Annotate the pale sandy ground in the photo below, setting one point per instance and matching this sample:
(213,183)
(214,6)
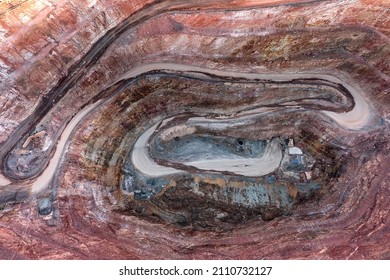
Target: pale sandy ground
(44,179)
(4,181)
(267,163)
(355,119)
(261,166)
(143,162)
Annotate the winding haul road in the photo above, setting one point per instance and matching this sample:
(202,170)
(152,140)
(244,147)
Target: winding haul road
(265,164)
(355,119)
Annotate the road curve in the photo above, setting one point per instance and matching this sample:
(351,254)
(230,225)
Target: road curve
(357,118)
(265,164)
(47,175)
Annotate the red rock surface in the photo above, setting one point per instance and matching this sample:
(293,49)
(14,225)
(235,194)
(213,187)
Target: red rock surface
(44,44)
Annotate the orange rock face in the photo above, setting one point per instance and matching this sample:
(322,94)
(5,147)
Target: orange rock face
(131,129)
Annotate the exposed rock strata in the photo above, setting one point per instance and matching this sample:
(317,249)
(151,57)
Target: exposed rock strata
(115,69)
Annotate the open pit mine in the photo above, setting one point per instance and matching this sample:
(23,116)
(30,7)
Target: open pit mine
(179,129)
